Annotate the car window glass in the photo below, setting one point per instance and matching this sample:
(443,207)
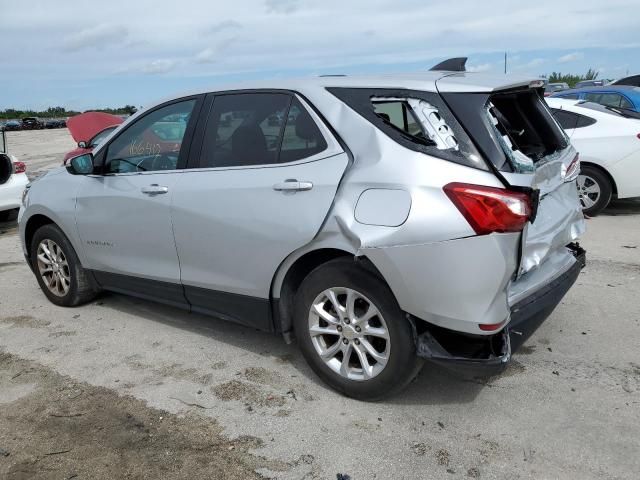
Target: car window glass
(572,96)
(624,103)
(400,115)
(584,121)
(151,143)
(302,137)
(567,120)
(244,129)
(101,136)
(610,99)
(593,97)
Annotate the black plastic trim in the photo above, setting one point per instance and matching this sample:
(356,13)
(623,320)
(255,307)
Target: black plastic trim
(526,316)
(247,310)
(157,291)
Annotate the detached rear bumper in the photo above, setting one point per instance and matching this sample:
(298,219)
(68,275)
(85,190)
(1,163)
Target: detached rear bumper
(486,356)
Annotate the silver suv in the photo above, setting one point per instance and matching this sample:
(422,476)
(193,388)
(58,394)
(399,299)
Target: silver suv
(380,221)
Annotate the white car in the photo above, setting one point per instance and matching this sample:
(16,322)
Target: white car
(13,181)
(609,147)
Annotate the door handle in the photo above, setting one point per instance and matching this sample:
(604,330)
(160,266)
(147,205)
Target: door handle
(292,185)
(154,189)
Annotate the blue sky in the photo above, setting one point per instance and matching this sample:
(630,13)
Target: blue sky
(89,54)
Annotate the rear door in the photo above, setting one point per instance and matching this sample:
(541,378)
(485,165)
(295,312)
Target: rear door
(261,187)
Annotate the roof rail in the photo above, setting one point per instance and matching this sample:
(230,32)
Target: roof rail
(457,64)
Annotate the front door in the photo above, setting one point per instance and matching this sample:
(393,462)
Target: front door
(124,215)
(268,173)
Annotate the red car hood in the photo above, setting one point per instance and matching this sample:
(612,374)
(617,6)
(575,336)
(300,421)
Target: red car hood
(84,126)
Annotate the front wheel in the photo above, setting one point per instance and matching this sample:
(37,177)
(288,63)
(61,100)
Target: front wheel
(58,269)
(352,332)
(594,189)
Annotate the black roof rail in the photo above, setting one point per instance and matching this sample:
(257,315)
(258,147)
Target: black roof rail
(457,64)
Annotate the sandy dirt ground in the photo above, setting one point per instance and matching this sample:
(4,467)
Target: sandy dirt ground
(82,390)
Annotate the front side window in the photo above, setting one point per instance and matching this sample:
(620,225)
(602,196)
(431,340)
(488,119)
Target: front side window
(152,143)
(248,129)
(101,136)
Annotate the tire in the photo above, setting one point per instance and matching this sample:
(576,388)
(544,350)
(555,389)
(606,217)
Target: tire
(594,189)
(399,363)
(79,290)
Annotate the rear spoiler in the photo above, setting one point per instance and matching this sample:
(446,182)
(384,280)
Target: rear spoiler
(457,64)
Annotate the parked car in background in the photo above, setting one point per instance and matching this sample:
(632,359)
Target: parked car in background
(13,180)
(12,125)
(618,96)
(551,88)
(55,123)
(589,83)
(609,146)
(391,220)
(633,80)
(89,129)
(32,123)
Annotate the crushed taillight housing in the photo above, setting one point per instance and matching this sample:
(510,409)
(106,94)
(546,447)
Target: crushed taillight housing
(490,209)
(19,167)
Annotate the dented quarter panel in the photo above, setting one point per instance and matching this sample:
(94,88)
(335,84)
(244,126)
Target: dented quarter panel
(454,284)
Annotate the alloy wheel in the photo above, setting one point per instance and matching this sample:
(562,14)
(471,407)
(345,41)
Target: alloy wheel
(588,191)
(53,267)
(349,333)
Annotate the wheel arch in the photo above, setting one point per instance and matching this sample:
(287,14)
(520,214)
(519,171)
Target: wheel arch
(33,224)
(293,271)
(614,187)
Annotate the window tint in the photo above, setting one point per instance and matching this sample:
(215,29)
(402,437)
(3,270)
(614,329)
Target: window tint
(151,143)
(572,96)
(567,120)
(400,115)
(101,136)
(302,137)
(244,129)
(570,120)
(624,103)
(259,129)
(584,121)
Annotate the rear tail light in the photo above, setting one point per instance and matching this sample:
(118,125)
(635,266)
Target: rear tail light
(19,167)
(490,209)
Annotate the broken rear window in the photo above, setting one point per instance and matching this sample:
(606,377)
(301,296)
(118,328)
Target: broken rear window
(525,127)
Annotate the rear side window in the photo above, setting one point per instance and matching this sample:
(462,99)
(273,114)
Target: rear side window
(572,96)
(571,120)
(417,120)
(248,129)
(302,137)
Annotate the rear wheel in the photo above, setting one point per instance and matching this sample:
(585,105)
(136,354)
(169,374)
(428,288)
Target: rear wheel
(594,189)
(58,269)
(352,332)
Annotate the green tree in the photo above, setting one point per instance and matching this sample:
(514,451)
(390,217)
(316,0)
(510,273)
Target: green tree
(571,79)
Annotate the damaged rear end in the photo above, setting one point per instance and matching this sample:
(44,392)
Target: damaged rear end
(527,150)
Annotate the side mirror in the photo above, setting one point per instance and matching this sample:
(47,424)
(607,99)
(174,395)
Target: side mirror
(82,144)
(81,165)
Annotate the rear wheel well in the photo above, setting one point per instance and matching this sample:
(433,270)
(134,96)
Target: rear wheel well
(33,224)
(297,273)
(614,188)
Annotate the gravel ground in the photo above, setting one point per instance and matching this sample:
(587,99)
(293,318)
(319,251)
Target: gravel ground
(567,407)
